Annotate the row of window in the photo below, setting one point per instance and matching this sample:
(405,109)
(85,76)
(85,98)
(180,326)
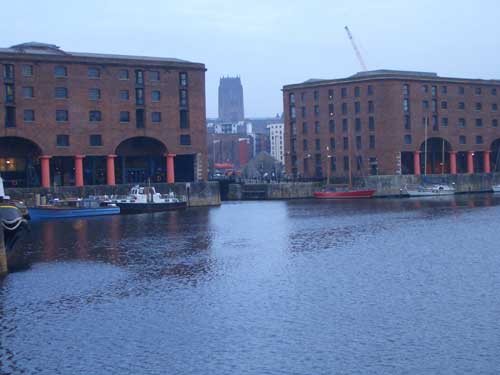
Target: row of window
(95,94)
(344,93)
(92,73)
(332,144)
(434,122)
(444,90)
(331,111)
(462,139)
(332,126)
(95,140)
(478,106)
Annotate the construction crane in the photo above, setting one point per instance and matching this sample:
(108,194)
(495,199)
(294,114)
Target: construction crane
(358,54)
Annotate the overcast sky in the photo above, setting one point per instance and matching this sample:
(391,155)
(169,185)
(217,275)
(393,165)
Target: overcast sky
(270,43)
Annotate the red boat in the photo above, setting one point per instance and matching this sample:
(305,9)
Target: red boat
(347,194)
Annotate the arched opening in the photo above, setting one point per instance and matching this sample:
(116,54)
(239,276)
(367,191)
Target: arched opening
(495,155)
(435,156)
(141,159)
(19,163)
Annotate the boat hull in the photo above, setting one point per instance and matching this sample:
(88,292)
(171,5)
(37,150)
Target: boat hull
(358,194)
(138,208)
(496,188)
(412,193)
(42,213)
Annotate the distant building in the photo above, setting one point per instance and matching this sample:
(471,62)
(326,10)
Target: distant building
(276,140)
(231,108)
(229,149)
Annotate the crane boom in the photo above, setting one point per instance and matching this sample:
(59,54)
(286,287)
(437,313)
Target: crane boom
(358,54)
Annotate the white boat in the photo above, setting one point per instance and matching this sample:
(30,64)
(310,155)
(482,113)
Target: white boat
(496,188)
(146,199)
(431,190)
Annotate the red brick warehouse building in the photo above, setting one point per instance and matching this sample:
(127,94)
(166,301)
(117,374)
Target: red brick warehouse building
(84,118)
(376,122)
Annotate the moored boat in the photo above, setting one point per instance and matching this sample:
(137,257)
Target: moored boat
(496,188)
(432,190)
(145,199)
(346,194)
(71,208)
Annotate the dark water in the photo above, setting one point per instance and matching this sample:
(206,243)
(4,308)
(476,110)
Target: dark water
(302,287)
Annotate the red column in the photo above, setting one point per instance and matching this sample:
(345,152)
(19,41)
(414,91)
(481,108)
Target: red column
(45,164)
(453,162)
(110,170)
(416,163)
(170,168)
(470,162)
(487,164)
(79,170)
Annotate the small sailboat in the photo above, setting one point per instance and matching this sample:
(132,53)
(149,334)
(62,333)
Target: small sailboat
(430,190)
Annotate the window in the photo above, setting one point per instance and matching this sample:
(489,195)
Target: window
(29,115)
(461,123)
(357,92)
(302,97)
(371,123)
(10,117)
(291,98)
(95,140)
(184,119)
(185,139)
(494,107)
(27,70)
(425,89)
(434,105)
(425,104)
(62,140)
(358,142)
(62,115)
(139,118)
(331,126)
(333,163)
(494,123)
(359,162)
(60,72)
(444,90)
(304,144)
(94,94)
(406,105)
(293,112)
(477,91)
(155,96)
(95,116)
(124,95)
(303,112)
(493,91)
(461,105)
(406,90)
(304,128)
(372,141)
(479,106)
(344,125)
(433,90)
(357,124)
(316,110)
(124,116)
(444,105)
(344,108)
(346,163)
(9,93)
(444,122)
(479,139)
(330,94)
(61,92)
(461,90)
(139,77)
(28,92)
(155,116)
(462,140)
(357,107)
(407,139)
(434,123)
(407,122)
(346,143)
(330,109)
(93,73)
(183,82)
(343,92)
(316,127)
(123,74)
(373,166)
(370,90)
(479,123)
(332,143)
(139,96)
(371,107)
(316,95)
(317,144)
(154,76)
(8,72)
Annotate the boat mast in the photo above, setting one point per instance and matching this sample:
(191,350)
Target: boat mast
(425,145)
(327,165)
(349,154)
(442,160)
